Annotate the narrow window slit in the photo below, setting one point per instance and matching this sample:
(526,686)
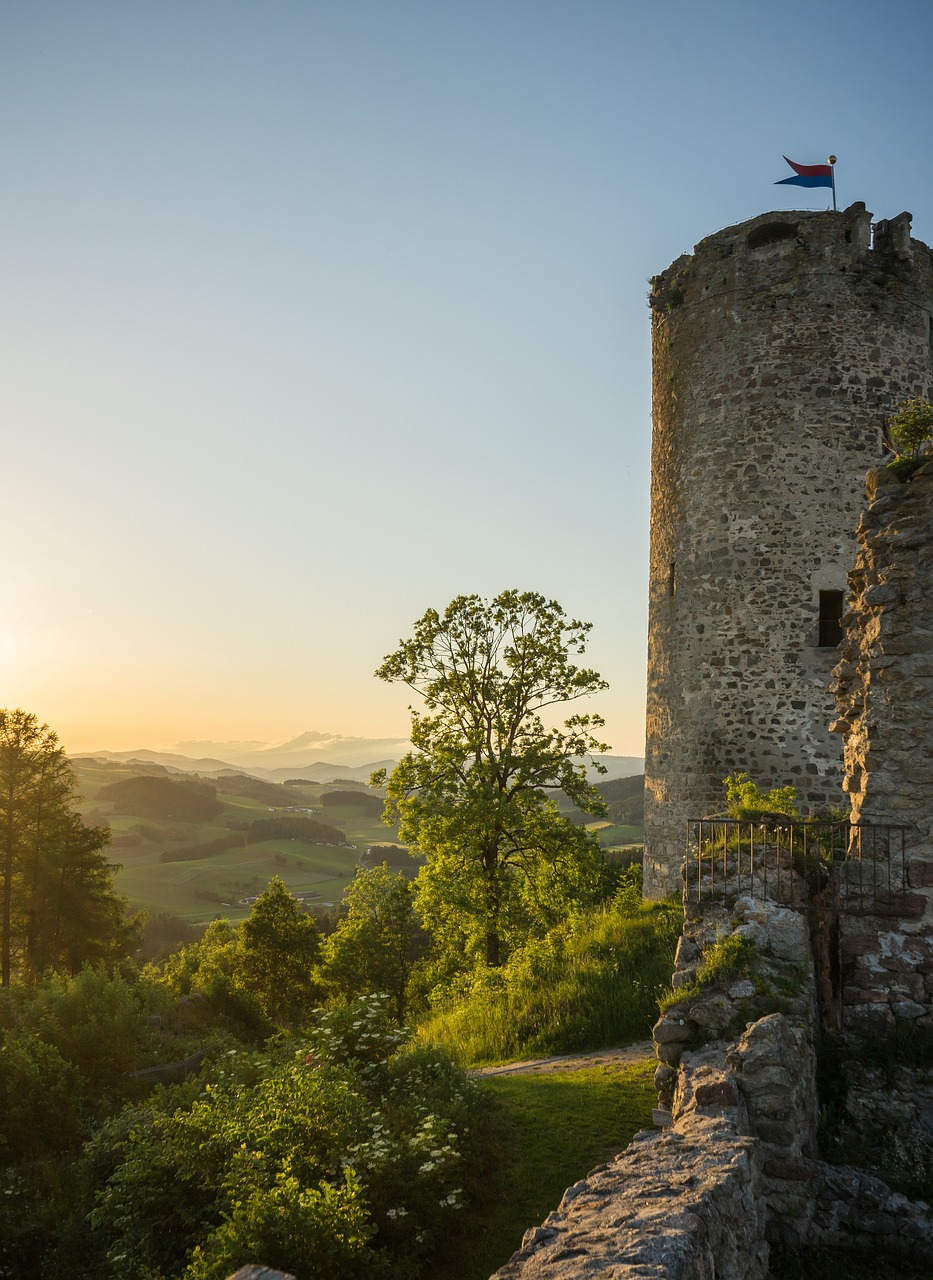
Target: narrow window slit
(830,619)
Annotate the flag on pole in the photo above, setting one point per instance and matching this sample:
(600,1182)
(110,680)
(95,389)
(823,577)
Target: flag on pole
(808,175)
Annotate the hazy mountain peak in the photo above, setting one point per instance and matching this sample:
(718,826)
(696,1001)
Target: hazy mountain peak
(303,749)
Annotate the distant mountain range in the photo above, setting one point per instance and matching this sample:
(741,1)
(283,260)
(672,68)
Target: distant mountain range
(317,757)
(300,751)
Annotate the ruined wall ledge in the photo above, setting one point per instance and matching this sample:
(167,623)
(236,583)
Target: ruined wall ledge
(682,1202)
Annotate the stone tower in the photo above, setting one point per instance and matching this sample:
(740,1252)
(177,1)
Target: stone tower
(779,347)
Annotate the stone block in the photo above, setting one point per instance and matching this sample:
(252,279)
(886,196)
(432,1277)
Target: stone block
(712,1013)
(787,935)
(778,1133)
(717,1093)
(790,1170)
(669,1054)
(907,1010)
(669,1030)
(742,990)
(859,944)
(663,1075)
(687,952)
(253,1272)
(920,873)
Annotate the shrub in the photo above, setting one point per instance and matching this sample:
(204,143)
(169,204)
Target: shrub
(340,1158)
(910,427)
(744,800)
(287,1222)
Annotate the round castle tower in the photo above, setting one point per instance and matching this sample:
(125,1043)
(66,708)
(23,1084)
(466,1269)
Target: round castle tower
(779,348)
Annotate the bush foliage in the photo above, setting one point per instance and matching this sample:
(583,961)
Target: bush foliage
(910,427)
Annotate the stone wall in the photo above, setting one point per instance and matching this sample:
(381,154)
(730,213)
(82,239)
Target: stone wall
(682,1203)
(779,347)
(884,694)
(735,1165)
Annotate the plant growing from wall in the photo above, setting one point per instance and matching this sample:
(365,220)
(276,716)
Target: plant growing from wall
(745,801)
(909,428)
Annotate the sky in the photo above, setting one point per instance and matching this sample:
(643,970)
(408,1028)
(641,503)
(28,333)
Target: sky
(314,315)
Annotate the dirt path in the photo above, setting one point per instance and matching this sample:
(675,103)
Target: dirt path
(571,1061)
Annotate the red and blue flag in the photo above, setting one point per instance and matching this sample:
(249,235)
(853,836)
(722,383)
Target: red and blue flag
(808,175)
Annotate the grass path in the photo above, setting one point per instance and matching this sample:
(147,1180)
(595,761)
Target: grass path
(556,1120)
(569,1061)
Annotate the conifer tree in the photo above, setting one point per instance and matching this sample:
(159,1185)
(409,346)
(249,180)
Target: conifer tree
(58,908)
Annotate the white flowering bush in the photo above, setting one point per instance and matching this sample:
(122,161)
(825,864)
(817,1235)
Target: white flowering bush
(362,1035)
(342,1155)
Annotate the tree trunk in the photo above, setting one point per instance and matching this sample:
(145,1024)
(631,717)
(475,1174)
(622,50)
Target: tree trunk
(491,865)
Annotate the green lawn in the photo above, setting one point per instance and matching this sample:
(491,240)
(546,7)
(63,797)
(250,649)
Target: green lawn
(552,1129)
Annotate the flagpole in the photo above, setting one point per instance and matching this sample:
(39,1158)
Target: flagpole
(831,161)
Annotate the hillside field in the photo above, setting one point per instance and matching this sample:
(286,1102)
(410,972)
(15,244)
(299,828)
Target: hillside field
(200,889)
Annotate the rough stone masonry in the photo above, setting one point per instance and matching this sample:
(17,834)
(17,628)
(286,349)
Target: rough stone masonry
(779,347)
(884,693)
(736,1167)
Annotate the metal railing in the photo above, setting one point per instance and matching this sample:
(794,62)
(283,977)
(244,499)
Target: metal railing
(794,860)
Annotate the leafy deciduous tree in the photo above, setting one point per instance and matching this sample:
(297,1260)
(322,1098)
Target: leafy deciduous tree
(474,794)
(910,427)
(375,945)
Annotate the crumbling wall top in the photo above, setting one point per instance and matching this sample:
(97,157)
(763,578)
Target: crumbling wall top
(794,242)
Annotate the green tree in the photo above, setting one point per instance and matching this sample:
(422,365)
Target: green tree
(474,794)
(277,947)
(57,905)
(910,427)
(376,944)
(75,917)
(210,970)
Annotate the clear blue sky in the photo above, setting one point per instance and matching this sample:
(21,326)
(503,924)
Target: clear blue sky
(316,314)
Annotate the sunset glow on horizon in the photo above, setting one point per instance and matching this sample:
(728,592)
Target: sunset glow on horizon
(315,316)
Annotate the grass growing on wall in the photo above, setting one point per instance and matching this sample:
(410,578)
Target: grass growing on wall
(552,1130)
(593,982)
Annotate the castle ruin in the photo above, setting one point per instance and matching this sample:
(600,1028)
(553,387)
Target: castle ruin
(779,348)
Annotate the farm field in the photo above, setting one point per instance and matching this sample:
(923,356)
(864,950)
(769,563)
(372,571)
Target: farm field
(200,889)
(613,835)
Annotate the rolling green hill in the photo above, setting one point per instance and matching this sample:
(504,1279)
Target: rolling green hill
(158,820)
(625,802)
(198,889)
